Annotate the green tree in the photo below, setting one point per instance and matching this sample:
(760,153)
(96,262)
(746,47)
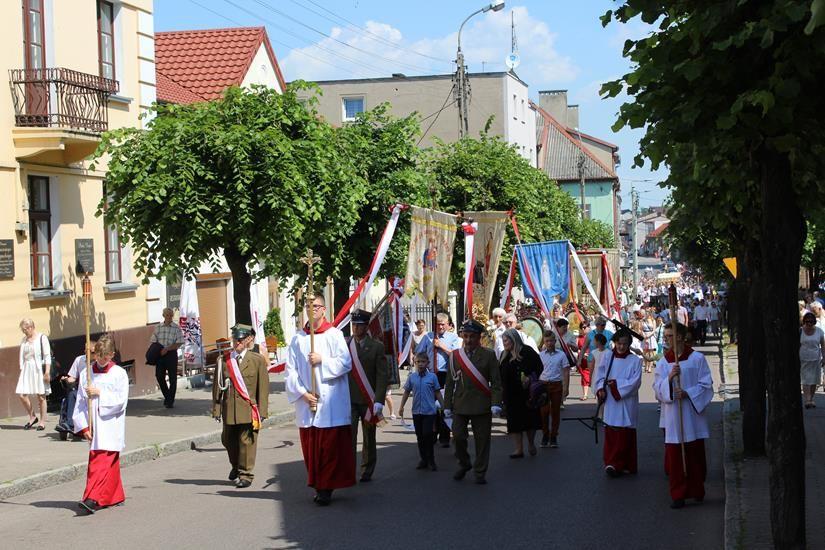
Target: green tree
(729,95)
(256,176)
(813,255)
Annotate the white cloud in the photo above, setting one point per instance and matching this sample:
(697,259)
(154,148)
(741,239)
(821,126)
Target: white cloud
(485,43)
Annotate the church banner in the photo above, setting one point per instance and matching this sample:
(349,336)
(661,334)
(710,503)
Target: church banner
(432,239)
(190,323)
(545,268)
(489,239)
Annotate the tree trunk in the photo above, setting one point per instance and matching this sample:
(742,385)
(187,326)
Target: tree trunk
(751,349)
(241,279)
(781,237)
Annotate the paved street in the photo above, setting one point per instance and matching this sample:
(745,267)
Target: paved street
(559,499)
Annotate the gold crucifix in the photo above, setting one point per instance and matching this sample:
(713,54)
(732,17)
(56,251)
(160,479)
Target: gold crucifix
(310,260)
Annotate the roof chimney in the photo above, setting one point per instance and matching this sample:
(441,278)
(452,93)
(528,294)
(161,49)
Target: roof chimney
(555,103)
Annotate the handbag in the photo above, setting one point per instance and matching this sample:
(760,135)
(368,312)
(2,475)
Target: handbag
(54,371)
(153,353)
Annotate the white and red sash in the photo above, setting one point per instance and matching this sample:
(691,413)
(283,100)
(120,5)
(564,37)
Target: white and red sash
(238,383)
(472,372)
(363,383)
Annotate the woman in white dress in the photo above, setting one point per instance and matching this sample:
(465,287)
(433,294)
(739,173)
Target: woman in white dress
(35,367)
(811,344)
(649,344)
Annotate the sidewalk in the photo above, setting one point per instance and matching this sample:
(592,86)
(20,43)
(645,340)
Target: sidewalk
(31,460)
(747,502)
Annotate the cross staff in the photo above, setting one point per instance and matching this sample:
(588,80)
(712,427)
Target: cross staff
(87,298)
(672,301)
(310,260)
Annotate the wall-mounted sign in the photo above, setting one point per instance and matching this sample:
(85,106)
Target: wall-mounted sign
(6,259)
(84,253)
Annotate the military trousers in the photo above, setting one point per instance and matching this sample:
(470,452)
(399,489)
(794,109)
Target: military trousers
(369,454)
(482,425)
(241,444)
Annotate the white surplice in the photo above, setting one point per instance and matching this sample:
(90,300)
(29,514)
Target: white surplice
(109,409)
(627,372)
(331,379)
(697,382)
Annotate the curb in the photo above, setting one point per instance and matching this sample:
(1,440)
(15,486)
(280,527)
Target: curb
(148,453)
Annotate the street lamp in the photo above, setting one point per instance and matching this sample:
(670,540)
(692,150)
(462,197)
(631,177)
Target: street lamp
(462,87)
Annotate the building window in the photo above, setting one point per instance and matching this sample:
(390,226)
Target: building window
(106,38)
(34,34)
(515,107)
(40,232)
(351,106)
(523,114)
(113,269)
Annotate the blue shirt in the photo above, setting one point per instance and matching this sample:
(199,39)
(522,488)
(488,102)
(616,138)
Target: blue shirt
(423,389)
(590,343)
(426,346)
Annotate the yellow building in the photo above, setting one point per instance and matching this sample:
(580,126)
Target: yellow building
(73,69)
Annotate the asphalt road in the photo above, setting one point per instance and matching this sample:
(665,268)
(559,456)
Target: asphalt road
(558,499)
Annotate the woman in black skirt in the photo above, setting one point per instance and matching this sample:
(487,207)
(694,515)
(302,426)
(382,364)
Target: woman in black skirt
(519,365)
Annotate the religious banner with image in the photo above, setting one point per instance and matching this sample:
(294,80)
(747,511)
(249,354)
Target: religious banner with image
(545,270)
(190,323)
(489,239)
(432,238)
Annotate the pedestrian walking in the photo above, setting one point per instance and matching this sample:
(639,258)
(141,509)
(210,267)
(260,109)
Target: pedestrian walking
(554,362)
(472,398)
(323,417)
(35,373)
(240,398)
(649,343)
(688,428)
(619,377)
(169,335)
(520,367)
(424,387)
(811,357)
(444,341)
(105,398)
(367,389)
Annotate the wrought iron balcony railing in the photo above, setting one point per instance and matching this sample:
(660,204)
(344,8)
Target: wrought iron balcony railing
(61,98)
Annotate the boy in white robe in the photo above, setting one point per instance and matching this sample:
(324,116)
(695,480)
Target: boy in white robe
(619,377)
(693,392)
(106,397)
(326,433)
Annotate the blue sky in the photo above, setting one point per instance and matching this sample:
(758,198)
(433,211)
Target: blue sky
(561,43)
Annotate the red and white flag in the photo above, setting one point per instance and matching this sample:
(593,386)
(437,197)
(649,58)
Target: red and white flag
(472,372)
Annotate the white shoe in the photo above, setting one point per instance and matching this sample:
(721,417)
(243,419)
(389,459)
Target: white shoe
(392,417)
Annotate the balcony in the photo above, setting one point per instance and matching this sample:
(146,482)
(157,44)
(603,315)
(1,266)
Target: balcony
(59,113)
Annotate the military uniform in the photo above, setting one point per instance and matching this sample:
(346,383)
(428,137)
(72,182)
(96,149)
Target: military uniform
(469,405)
(238,436)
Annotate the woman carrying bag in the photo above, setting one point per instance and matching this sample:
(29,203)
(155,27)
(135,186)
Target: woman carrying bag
(35,373)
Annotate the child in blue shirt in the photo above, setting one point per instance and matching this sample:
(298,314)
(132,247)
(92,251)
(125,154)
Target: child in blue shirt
(423,384)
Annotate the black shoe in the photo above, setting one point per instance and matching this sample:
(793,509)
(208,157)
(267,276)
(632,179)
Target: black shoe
(233,474)
(323,498)
(459,475)
(169,405)
(676,504)
(611,471)
(90,505)
(30,425)
(517,455)
(545,441)
(243,483)
(554,442)
(480,480)
(421,465)
(365,478)
(433,467)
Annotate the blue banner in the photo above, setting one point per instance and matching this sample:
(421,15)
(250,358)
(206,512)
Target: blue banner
(548,270)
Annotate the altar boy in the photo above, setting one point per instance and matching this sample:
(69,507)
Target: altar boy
(105,397)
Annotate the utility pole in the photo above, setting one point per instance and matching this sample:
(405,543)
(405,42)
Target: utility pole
(581,181)
(634,205)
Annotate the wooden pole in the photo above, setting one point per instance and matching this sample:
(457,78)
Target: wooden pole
(673,301)
(310,260)
(87,299)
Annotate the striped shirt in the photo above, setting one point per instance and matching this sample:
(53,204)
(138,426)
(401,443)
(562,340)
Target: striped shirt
(166,335)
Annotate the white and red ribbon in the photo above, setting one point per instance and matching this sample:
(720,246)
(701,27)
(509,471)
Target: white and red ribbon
(363,383)
(240,388)
(397,313)
(469,265)
(472,372)
(343,317)
(508,285)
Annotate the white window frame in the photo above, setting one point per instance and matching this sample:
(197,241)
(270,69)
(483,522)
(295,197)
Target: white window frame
(344,100)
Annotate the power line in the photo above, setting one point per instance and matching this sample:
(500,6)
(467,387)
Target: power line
(326,35)
(364,30)
(436,114)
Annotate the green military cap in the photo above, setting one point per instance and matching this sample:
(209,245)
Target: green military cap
(241,331)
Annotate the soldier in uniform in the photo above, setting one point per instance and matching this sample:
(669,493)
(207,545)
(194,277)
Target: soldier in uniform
(366,409)
(240,396)
(473,396)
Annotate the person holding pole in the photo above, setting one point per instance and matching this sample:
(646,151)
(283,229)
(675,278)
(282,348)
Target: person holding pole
(684,386)
(317,383)
(100,418)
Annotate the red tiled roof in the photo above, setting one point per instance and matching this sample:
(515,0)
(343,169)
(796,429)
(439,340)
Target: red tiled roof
(206,62)
(658,231)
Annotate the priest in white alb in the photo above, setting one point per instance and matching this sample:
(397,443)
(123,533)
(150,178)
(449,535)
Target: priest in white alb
(693,391)
(619,377)
(326,435)
(106,397)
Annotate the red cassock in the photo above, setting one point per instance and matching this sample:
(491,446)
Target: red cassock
(103,483)
(620,449)
(328,457)
(692,486)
